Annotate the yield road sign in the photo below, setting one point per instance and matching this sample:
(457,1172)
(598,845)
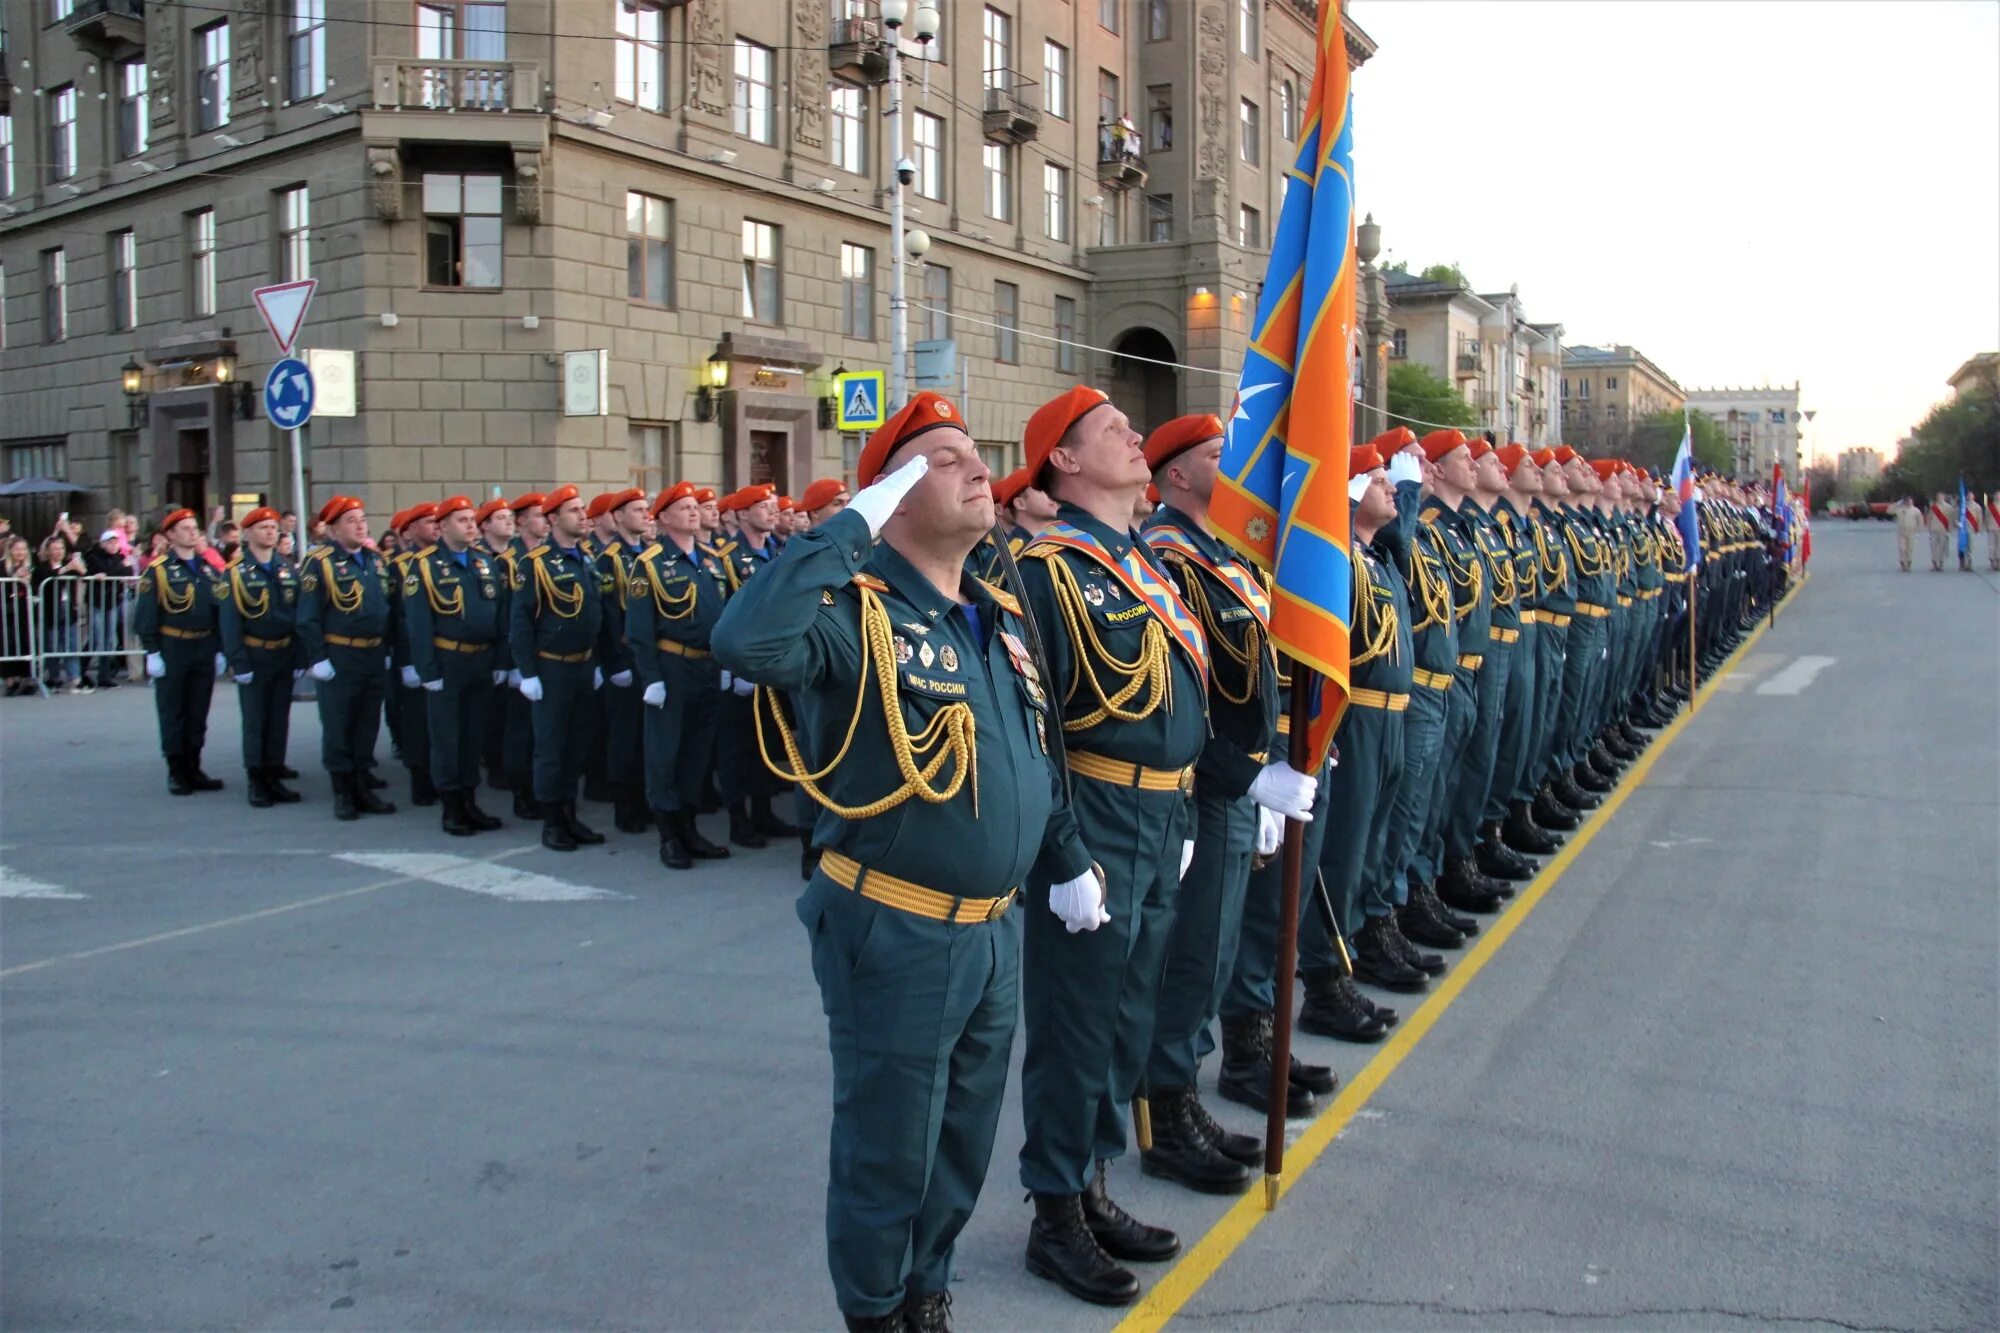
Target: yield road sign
(288,394)
(861,399)
(283,308)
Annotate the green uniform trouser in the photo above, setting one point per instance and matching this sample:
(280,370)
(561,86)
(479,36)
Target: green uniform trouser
(1253,982)
(624,733)
(680,735)
(1582,674)
(1618,645)
(562,737)
(412,705)
(1426,756)
(1545,757)
(1476,767)
(1089,998)
(181,697)
(456,718)
(1460,729)
(1517,726)
(1359,815)
(350,708)
(266,706)
(920,1020)
(519,745)
(591,722)
(1203,940)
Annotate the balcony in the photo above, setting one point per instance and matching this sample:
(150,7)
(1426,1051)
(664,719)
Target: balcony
(1119,165)
(481,86)
(858,50)
(108,29)
(6,85)
(1468,365)
(1012,110)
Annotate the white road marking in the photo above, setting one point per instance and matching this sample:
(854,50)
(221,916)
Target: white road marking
(1678,842)
(484,877)
(1794,678)
(14,885)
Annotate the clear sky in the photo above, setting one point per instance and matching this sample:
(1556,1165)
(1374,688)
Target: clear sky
(1747,192)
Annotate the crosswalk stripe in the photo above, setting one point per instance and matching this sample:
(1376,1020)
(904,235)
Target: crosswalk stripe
(13,885)
(482,877)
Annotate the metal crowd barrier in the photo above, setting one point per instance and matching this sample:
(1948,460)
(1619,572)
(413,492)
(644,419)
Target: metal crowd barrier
(76,626)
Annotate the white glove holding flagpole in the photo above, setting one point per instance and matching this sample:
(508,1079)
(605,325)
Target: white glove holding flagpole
(1285,790)
(879,500)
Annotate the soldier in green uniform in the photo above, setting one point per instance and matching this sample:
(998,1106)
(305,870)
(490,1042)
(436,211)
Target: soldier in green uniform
(746,786)
(417,529)
(451,611)
(1509,816)
(1128,668)
(343,628)
(824,498)
(531,529)
(671,607)
(556,634)
(1557,802)
(175,620)
(624,770)
(256,607)
(1496,678)
(496,540)
(1607,513)
(914,689)
(1596,597)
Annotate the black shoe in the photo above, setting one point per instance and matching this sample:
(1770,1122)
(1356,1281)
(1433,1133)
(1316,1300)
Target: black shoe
(1423,927)
(286,772)
(1499,861)
(555,830)
(1520,833)
(1121,1235)
(673,851)
(423,793)
(1571,793)
(345,807)
(371,782)
(896,1321)
(476,817)
(453,820)
(1062,1249)
(584,834)
(766,822)
(524,803)
(1430,964)
(629,816)
(1379,965)
(1615,745)
(1236,1147)
(1606,763)
(368,803)
(1590,780)
(741,831)
(1550,812)
(1182,1153)
(700,848)
(1246,1067)
(927,1312)
(1630,734)
(1319,1080)
(200,781)
(260,791)
(280,793)
(1460,886)
(1426,897)
(1334,1008)
(177,777)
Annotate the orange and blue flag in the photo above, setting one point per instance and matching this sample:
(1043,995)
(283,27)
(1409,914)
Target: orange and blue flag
(1281,497)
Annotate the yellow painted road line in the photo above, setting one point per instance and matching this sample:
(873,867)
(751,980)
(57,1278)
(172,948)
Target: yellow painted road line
(1187,1277)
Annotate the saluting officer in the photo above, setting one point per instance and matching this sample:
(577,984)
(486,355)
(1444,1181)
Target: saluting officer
(343,626)
(257,607)
(671,605)
(929,722)
(417,527)
(451,610)
(624,772)
(556,634)
(175,620)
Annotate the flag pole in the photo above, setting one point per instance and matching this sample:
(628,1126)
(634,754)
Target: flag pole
(1305,686)
(1694,659)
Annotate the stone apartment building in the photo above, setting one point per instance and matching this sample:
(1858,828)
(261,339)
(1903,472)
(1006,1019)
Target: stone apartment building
(1606,391)
(696,188)
(1763,426)
(1506,367)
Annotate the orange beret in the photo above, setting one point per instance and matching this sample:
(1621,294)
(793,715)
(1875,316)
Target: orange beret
(786,504)
(925,411)
(1441,442)
(489,509)
(822,493)
(704,494)
(1512,456)
(1152,494)
(446,508)
(261,514)
(1479,447)
(1564,454)
(1605,468)
(615,500)
(559,497)
(1008,488)
(1170,441)
(757,494)
(528,501)
(397,519)
(680,490)
(1052,421)
(337,506)
(179,514)
(1394,441)
(415,512)
(1364,459)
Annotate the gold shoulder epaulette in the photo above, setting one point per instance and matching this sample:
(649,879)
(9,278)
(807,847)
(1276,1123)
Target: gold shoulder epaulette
(538,552)
(1005,599)
(870,582)
(428,550)
(650,551)
(156,562)
(724,547)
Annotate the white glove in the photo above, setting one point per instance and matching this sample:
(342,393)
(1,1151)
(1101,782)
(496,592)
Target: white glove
(723,683)
(322,670)
(221,666)
(622,679)
(156,665)
(597,678)
(742,688)
(878,501)
(245,677)
(1284,789)
(1080,901)
(433,686)
(1187,856)
(297,672)
(1403,466)
(1270,832)
(531,689)
(388,662)
(514,679)
(499,676)
(656,694)
(410,680)
(1357,485)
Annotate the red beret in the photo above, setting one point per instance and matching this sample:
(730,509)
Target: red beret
(1606,468)
(1394,441)
(559,497)
(615,500)
(261,514)
(489,509)
(1564,454)
(528,501)
(925,411)
(1441,442)
(1479,447)
(1152,494)
(1008,488)
(704,494)
(446,508)
(415,512)
(822,493)
(398,519)
(1170,441)
(1052,421)
(680,490)
(1544,457)
(786,504)
(176,516)
(335,507)
(1364,459)
(757,494)
(1512,456)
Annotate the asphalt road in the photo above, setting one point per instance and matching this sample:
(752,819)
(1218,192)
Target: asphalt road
(1739,1065)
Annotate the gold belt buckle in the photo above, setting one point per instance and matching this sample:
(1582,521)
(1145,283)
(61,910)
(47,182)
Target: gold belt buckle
(998,907)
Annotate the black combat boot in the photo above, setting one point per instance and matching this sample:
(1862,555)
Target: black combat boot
(371,781)
(1461,886)
(1236,1147)
(628,812)
(524,802)
(197,779)
(479,819)
(1319,1080)
(286,772)
(344,805)
(582,832)
(177,781)
(452,818)
(1499,861)
(1376,963)
(766,821)
(1121,1235)
(700,848)
(893,1322)
(423,792)
(1590,780)
(1617,746)
(1334,1008)
(927,1311)
(673,849)
(1426,896)
(260,793)
(280,793)
(367,802)
(742,831)
(1420,925)
(1552,812)
(555,829)
(1392,937)
(1246,1067)
(1520,833)
(1182,1153)
(1062,1249)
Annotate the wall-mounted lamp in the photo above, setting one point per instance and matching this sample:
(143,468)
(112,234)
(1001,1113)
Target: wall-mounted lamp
(132,379)
(714,378)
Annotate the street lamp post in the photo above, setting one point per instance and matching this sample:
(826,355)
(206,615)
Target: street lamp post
(895,13)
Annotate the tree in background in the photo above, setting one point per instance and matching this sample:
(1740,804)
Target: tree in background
(1825,484)
(1420,396)
(1450,273)
(1653,442)
(1959,437)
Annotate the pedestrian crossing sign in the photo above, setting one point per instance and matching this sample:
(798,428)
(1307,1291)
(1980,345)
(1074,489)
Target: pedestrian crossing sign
(861,394)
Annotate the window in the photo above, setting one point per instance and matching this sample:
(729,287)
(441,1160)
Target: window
(1288,111)
(1159,20)
(305,44)
(3,305)
(1399,344)
(1159,217)
(649,249)
(62,132)
(639,56)
(6,154)
(1249,227)
(1160,117)
(1055,79)
(1055,202)
(58,11)
(998,458)
(1108,15)
(211,80)
(927,137)
(850,128)
(996,47)
(654,450)
(462,230)
(135,124)
(937,302)
(55,296)
(1248,13)
(1066,335)
(124,249)
(294,236)
(763,293)
(1108,107)
(857,291)
(463,30)
(1583,387)
(1007,322)
(1610,383)
(1250,131)
(753,92)
(999,163)
(1565,381)
(1111,218)
(201,264)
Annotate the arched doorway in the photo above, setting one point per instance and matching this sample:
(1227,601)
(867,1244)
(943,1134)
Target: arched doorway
(1147,390)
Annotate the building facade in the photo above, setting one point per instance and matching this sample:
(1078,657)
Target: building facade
(695,189)
(1607,391)
(1857,467)
(1763,425)
(1484,344)
(1977,374)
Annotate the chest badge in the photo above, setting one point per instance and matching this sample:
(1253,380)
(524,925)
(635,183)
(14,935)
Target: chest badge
(926,656)
(903,651)
(948,657)
(1093,594)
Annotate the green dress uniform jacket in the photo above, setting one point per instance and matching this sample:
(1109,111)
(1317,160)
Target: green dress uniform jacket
(257,608)
(672,605)
(451,620)
(344,620)
(556,632)
(175,616)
